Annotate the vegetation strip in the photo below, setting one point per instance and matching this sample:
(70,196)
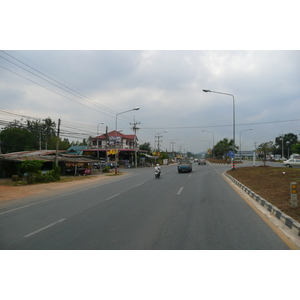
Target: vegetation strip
(288,221)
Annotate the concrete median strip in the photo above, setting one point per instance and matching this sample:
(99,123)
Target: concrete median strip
(285,219)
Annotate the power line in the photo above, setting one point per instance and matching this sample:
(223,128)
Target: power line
(90,101)
(227,125)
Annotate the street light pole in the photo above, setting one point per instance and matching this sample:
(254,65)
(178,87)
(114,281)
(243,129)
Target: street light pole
(209,91)
(241,140)
(213,141)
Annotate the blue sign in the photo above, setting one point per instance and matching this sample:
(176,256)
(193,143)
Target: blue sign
(231,154)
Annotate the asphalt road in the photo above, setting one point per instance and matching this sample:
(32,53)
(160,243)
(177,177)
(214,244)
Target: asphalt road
(197,210)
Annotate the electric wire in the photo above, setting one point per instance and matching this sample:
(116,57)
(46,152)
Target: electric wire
(90,101)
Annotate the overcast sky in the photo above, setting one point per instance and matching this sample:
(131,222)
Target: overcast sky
(85,88)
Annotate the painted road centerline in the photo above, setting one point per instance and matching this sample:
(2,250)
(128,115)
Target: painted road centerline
(180,190)
(112,197)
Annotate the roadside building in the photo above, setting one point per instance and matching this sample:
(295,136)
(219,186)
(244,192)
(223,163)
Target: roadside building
(69,163)
(114,146)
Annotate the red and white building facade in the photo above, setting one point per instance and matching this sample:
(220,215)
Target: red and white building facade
(114,146)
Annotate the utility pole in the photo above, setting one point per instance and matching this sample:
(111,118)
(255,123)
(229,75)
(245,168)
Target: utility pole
(40,134)
(135,129)
(158,142)
(57,144)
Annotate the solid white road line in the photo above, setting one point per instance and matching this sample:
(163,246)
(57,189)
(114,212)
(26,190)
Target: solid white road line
(180,190)
(41,229)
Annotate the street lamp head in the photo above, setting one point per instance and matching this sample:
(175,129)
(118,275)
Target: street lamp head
(206,91)
(136,108)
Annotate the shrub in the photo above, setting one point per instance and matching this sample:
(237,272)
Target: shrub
(34,174)
(106,169)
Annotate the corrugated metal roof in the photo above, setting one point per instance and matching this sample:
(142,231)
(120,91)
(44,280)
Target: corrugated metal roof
(46,155)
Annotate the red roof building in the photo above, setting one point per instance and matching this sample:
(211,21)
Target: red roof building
(114,140)
(115,146)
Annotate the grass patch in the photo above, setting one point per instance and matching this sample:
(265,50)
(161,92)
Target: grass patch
(273,184)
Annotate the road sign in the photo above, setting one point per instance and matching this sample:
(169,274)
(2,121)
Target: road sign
(231,154)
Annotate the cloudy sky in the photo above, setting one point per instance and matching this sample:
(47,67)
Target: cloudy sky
(84,88)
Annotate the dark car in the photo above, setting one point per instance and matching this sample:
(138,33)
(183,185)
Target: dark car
(184,166)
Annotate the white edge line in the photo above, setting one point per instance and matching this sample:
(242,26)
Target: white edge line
(43,228)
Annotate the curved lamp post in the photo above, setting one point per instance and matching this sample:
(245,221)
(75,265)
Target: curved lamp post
(209,91)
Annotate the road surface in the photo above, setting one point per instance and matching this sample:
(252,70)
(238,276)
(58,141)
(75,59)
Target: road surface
(187,211)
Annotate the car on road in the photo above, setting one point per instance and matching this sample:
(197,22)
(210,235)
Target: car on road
(291,163)
(202,162)
(184,166)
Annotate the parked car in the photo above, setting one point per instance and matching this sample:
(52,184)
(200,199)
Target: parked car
(184,166)
(291,162)
(202,162)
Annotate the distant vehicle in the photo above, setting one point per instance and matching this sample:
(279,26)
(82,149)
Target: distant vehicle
(196,160)
(112,165)
(292,163)
(202,161)
(184,166)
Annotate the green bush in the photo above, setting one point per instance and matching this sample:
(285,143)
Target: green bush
(106,169)
(34,174)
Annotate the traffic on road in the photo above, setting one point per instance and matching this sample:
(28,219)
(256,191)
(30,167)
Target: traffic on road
(196,210)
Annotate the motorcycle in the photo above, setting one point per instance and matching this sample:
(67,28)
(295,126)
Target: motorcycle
(157,173)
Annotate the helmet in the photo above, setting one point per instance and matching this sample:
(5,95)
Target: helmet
(157,165)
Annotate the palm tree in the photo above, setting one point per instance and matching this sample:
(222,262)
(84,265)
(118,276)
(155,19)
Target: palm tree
(49,130)
(223,147)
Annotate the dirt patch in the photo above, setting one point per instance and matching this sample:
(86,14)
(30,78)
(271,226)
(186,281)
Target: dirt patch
(9,190)
(273,184)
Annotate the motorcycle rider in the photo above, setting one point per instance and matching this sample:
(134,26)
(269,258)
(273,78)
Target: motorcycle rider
(157,168)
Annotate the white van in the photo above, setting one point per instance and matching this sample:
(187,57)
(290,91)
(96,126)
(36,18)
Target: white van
(292,162)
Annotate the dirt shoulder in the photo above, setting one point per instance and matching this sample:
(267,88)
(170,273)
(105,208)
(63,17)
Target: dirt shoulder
(8,192)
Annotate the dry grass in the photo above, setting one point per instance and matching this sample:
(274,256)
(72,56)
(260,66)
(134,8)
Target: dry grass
(273,184)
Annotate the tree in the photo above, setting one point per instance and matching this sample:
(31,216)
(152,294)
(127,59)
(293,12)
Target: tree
(31,167)
(49,130)
(36,128)
(146,147)
(223,147)
(17,139)
(265,149)
(63,144)
(289,140)
(296,148)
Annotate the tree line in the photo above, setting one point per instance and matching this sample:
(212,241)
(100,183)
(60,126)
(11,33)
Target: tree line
(32,135)
(284,145)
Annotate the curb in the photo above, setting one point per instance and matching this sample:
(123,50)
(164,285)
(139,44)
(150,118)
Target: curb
(285,219)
